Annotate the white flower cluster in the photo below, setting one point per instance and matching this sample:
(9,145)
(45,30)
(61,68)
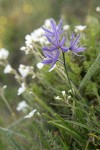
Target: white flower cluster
(67,97)
(22,106)
(30,115)
(63,93)
(8,69)
(47,23)
(3,54)
(66,27)
(98,9)
(35,37)
(80,28)
(22,89)
(25,70)
(4,87)
(40,65)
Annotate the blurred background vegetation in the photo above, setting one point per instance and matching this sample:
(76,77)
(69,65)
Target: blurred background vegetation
(20,17)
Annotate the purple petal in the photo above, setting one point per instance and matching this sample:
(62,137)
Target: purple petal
(53,48)
(53,24)
(47,54)
(63,41)
(64,49)
(61,32)
(46,30)
(46,49)
(77,54)
(78,49)
(52,66)
(59,25)
(50,40)
(55,59)
(48,35)
(47,61)
(73,35)
(57,38)
(72,39)
(76,41)
(57,53)
(49,49)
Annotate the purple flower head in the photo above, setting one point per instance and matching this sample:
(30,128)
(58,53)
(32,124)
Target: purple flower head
(74,47)
(54,36)
(51,57)
(56,43)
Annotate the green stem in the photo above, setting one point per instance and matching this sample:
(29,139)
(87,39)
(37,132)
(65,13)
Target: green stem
(65,67)
(7,104)
(87,144)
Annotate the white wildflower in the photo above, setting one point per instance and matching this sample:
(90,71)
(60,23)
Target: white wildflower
(63,93)
(58,98)
(66,27)
(69,97)
(70,91)
(5,86)
(27,51)
(30,115)
(98,8)
(37,33)
(23,48)
(33,76)
(8,69)
(24,70)
(38,113)
(3,53)
(22,106)
(30,92)
(28,39)
(79,28)
(21,89)
(42,40)
(39,65)
(37,36)
(47,23)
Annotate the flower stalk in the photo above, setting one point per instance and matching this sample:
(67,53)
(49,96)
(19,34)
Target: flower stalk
(66,71)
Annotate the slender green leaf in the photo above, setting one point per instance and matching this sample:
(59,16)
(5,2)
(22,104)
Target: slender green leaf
(84,126)
(69,129)
(95,67)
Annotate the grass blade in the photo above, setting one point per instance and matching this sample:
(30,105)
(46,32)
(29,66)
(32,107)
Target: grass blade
(94,68)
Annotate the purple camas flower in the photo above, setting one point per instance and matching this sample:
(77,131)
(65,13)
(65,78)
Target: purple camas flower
(51,57)
(54,36)
(57,43)
(74,47)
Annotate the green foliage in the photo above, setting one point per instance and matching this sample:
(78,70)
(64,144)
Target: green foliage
(94,68)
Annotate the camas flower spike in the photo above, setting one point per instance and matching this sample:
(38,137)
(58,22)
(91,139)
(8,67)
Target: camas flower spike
(57,43)
(54,36)
(51,57)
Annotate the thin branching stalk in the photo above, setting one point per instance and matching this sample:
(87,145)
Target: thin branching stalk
(7,104)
